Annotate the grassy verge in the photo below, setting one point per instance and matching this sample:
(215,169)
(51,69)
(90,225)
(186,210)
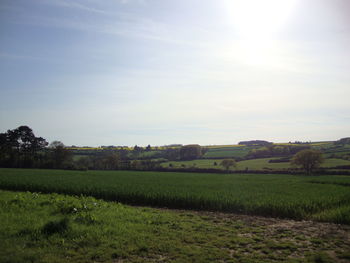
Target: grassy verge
(57,228)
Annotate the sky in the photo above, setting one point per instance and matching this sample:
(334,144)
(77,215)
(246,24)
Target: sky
(127,72)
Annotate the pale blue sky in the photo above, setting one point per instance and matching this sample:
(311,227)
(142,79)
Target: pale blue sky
(126,72)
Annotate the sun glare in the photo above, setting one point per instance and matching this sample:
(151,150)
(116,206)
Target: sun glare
(259,18)
(256,23)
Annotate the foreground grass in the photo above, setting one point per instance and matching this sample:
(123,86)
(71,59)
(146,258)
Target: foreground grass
(56,228)
(285,196)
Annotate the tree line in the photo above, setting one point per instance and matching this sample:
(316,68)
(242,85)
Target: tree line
(20,148)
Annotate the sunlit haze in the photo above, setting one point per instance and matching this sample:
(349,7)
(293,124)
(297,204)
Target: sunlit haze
(126,72)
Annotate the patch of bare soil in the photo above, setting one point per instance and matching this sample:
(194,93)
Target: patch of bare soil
(284,238)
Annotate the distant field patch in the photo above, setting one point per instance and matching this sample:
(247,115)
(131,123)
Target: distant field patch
(228,152)
(254,164)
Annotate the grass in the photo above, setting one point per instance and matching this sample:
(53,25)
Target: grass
(332,162)
(255,164)
(58,228)
(284,196)
(227,152)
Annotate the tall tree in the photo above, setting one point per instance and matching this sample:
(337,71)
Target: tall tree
(227,163)
(20,147)
(308,159)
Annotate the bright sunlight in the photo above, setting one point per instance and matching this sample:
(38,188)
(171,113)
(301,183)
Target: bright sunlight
(259,19)
(257,23)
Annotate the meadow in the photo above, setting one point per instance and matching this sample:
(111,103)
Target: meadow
(230,151)
(48,228)
(254,164)
(321,198)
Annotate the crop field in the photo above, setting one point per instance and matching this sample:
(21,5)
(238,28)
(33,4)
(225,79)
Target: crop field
(239,151)
(254,164)
(47,228)
(225,152)
(285,196)
(332,162)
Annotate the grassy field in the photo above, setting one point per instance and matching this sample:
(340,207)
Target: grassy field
(240,151)
(287,196)
(255,164)
(222,151)
(57,228)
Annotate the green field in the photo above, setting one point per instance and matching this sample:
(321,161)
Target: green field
(56,228)
(298,197)
(255,164)
(228,152)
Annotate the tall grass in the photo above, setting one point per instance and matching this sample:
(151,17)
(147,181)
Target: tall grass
(286,196)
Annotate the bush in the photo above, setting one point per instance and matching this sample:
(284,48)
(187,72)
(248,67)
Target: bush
(54,227)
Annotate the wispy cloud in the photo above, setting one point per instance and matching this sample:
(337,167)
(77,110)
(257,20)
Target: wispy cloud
(83,6)
(16,56)
(75,5)
(93,6)
(120,24)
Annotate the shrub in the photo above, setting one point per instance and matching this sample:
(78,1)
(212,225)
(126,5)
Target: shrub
(53,227)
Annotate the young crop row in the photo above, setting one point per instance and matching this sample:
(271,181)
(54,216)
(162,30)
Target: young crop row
(286,196)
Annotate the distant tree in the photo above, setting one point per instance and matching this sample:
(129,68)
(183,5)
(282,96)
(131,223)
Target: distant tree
(255,143)
(190,152)
(136,152)
(84,163)
(60,155)
(308,159)
(276,151)
(110,160)
(149,164)
(343,141)
(137,148)
(204,150)
(135,165)
(227,163)
(172,154)
(148,148)
(5,151)
(107,160)
(123,153)
(20,148)
(24,140)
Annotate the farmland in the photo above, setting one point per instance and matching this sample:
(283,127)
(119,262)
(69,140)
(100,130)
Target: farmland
(247,157)
(325,198)
(60,228)
(254,164)
(237,151)
(263,210)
